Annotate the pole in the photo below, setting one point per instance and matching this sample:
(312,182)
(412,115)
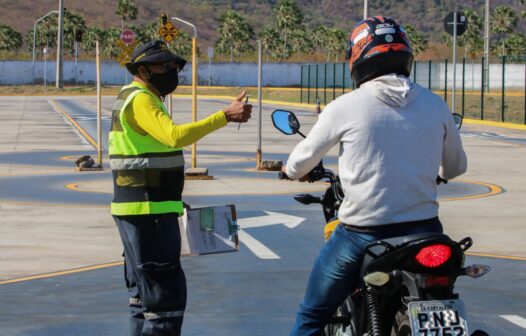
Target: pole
(170,105)
(76,59)
(45,67)
(486,45)
(194,96)
(429,78)
(99,106)
(35,38)
(308,84)
(194,84)
(365,9)
(482,89)
(503,88)
(524,94)
(454,60)
(301,83)
(60,44)
(317,81)
(445,84)
(414,71)
(333,81)
(325,84)
(260,108)
(343,78)
(463,84)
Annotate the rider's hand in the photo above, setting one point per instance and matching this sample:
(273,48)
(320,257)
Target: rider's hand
(238,111)
(302,179)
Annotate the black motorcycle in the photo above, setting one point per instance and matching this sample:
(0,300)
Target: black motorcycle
(406,284)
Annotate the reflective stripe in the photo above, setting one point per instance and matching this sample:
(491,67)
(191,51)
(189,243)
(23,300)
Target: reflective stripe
(147,162)
(146,208)
(152,315)
(119,103)
(135,301)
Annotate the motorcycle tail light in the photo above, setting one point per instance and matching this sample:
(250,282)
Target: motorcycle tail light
(433,255)
(441,281)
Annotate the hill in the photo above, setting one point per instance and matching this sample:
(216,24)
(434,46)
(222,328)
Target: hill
(425,15)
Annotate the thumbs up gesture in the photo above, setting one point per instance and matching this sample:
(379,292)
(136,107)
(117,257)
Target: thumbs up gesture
(238,110)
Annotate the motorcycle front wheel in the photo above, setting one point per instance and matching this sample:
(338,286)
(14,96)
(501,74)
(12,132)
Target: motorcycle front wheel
(401,325)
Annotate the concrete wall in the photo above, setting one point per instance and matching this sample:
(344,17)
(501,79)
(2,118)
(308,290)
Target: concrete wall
(245,74)
(224,74)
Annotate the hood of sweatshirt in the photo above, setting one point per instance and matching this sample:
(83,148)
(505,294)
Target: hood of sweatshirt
(394,90)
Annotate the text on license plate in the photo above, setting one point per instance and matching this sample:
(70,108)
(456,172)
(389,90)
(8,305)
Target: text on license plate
(438,318)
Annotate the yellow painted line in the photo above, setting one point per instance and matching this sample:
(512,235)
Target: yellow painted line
(495,124)
(66,272)
(493,190)
(74,123)
(487,255)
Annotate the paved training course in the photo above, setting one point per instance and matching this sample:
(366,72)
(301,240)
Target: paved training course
(54,219)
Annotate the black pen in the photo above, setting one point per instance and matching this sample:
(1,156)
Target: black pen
(246,102)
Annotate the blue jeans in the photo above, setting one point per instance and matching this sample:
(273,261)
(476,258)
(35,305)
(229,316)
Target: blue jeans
(335,275)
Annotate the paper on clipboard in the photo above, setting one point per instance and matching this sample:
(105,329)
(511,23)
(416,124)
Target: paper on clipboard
(209,230)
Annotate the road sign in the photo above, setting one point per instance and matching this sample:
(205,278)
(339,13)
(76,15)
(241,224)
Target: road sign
(168,31)
(127,36)
(127,50)
(462,23)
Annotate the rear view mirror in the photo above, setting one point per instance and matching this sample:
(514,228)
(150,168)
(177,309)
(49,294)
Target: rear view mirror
(458,120)
(286,122)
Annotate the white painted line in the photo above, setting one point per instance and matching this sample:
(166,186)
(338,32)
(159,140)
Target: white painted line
(260,250)
(515,320)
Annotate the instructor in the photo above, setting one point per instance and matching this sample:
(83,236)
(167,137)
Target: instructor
(147,163)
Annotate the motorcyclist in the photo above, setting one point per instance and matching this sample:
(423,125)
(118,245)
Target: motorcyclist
(395,138)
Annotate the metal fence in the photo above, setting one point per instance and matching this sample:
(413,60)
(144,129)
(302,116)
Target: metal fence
(502,98)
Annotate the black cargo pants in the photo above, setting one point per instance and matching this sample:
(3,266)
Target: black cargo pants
(153,273)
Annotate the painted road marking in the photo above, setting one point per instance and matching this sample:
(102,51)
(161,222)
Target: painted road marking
(271,218)
(517,320)
(254,245)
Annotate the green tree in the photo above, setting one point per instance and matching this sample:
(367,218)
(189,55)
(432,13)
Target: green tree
(300,42)
(417,39)
(91,35)
(336,43)
(472,37)
(516,45)
(288,18)
(108,45)
(235,34)
(149,32)
(270,40)
(502,22)
(320,39)
(182,45)
(127,10)
(10,39)
(47,31)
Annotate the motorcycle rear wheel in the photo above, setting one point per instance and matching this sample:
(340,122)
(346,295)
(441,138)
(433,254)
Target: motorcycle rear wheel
(401,325)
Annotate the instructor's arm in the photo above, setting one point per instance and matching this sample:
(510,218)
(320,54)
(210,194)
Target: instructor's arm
(149,118)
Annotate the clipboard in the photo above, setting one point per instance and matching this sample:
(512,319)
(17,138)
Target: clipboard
(209,230)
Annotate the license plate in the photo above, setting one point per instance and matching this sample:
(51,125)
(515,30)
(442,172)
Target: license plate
(438,318)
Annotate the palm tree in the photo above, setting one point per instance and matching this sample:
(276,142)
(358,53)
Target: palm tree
(502,21)
(92,35)
(182,45)
(472,38)
(127,10)
(288,17)
(270,40)
(235,34)
(417,39)
(300,42)
(336,43)
(320,39)
(10,39)
(516,44)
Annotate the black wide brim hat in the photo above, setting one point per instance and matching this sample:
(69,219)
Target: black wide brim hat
(151,53)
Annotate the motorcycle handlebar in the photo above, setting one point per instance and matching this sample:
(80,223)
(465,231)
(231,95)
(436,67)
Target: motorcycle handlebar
(283,176)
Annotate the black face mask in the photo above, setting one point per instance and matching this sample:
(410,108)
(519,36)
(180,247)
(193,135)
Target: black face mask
(166,82)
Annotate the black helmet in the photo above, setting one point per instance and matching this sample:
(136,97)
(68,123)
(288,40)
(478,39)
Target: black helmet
(378,45)
(153,52)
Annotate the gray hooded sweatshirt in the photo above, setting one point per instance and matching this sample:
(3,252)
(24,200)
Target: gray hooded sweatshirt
(395,138)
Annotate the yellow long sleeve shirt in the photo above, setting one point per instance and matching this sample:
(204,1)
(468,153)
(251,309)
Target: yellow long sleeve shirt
(145,114)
